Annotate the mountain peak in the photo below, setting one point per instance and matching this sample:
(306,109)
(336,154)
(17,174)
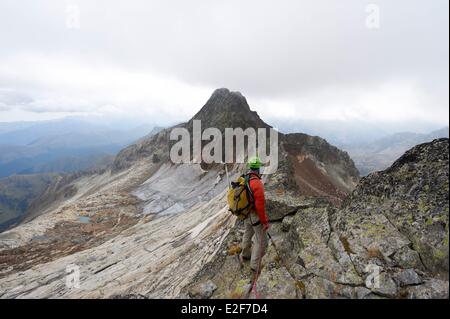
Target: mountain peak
(226,92)
(226,108)
(224,100)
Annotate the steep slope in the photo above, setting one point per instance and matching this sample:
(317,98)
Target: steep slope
(128,245)
(319,169)
(412,195)
(394,224)
(146,226)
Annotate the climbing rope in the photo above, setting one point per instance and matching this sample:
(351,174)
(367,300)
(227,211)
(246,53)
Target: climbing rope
(258,269)
(276,251)
(281,260)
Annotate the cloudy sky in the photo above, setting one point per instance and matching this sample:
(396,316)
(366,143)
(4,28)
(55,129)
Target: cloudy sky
(161,60)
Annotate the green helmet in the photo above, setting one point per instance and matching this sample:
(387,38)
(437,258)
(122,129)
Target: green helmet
(254,162)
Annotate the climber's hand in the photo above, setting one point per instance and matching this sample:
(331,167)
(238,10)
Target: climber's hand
(266,226)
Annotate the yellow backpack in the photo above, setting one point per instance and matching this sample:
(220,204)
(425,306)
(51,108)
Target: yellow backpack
(240,197)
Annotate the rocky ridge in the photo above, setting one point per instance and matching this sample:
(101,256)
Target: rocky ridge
(395,222)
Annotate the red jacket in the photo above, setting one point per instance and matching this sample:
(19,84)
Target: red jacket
(257,188)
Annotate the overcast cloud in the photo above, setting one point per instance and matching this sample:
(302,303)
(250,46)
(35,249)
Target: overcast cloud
(162,59)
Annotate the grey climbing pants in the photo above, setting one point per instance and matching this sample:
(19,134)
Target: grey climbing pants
(256,249)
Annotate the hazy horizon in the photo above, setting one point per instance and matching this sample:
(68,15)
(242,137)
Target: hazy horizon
(317,61)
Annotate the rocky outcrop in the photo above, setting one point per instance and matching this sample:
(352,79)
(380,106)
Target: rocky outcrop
(403,212)
(318,169)
(380,154)
(388,240)
(157,144)
(228,109)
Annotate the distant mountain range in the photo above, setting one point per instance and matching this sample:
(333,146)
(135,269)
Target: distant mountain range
(336,132)
(65,145)
(372,147)
(343,133)
(380,154)
(34,154)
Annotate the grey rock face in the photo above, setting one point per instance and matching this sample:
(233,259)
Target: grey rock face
(278,207)
(387,286)
(276,283)
(431,289)
(155,146)
(403,212)
(361,292)
(286,223)
(388,240)
(408,277)
(227,109)
(322,252)
(203,290)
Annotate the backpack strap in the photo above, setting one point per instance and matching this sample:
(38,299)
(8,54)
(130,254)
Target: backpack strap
(247,178)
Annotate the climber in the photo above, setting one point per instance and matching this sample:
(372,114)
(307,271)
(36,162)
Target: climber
(257,223)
